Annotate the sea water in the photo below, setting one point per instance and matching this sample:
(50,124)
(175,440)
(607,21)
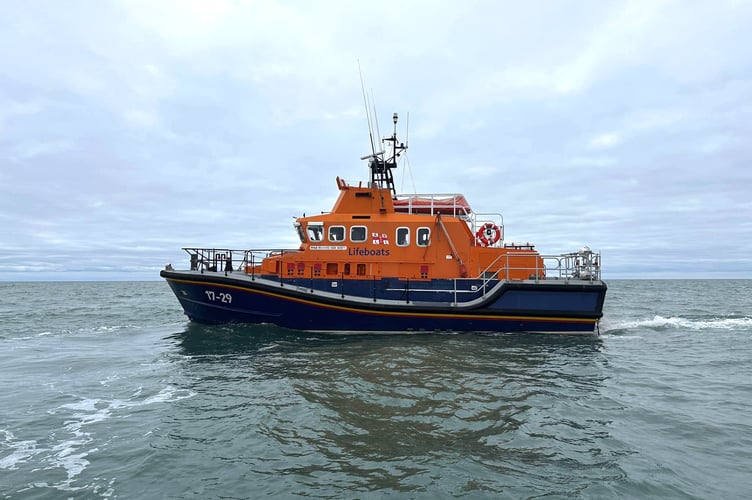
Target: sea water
(108,391)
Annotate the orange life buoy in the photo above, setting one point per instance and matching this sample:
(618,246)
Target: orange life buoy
(488,234)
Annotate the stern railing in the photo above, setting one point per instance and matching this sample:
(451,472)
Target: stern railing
(584,264)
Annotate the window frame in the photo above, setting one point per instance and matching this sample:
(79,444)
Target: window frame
(397,239)
(417,237)
(301,233)
(329,234)
(310,232)
(365,234)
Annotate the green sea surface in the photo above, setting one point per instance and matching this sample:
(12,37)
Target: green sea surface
(108,391)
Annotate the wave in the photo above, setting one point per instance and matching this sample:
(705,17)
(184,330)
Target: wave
(21,450)
(677,322)
(71,452)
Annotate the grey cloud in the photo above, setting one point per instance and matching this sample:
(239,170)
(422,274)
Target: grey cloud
(122,138)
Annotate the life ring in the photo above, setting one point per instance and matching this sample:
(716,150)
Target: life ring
(488,234)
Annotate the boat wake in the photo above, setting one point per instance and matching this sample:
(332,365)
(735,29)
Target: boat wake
(673,322)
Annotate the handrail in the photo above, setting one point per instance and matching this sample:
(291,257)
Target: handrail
(433,204)
(455,254)
(478,219)
(583,265)
(215,259)
(574,267)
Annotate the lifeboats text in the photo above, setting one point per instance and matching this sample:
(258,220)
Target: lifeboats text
(368,252)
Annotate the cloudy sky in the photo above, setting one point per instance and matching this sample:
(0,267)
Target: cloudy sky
(129,129)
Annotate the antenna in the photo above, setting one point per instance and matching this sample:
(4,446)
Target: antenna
(395,117)
(375,115)
(407,131)
(368,116)
(407,159)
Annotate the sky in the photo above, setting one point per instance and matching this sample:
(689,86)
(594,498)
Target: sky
(130,129)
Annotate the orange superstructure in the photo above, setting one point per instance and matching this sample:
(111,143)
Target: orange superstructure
(373,233)
(364,236)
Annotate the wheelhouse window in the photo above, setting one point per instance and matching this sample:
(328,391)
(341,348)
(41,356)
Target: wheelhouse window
(337,233)
(424,236)
(315,231)
(358,234)
(403,236)
(301,234)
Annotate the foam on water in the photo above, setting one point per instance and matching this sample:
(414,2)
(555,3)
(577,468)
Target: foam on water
(658,322)
(71,454)
(21,450)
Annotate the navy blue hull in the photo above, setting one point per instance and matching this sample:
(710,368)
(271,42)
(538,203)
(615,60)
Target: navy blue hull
(513,307)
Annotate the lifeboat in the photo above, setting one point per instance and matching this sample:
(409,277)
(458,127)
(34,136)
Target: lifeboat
(382,262)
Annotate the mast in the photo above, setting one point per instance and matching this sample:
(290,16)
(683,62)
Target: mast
(381,166)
